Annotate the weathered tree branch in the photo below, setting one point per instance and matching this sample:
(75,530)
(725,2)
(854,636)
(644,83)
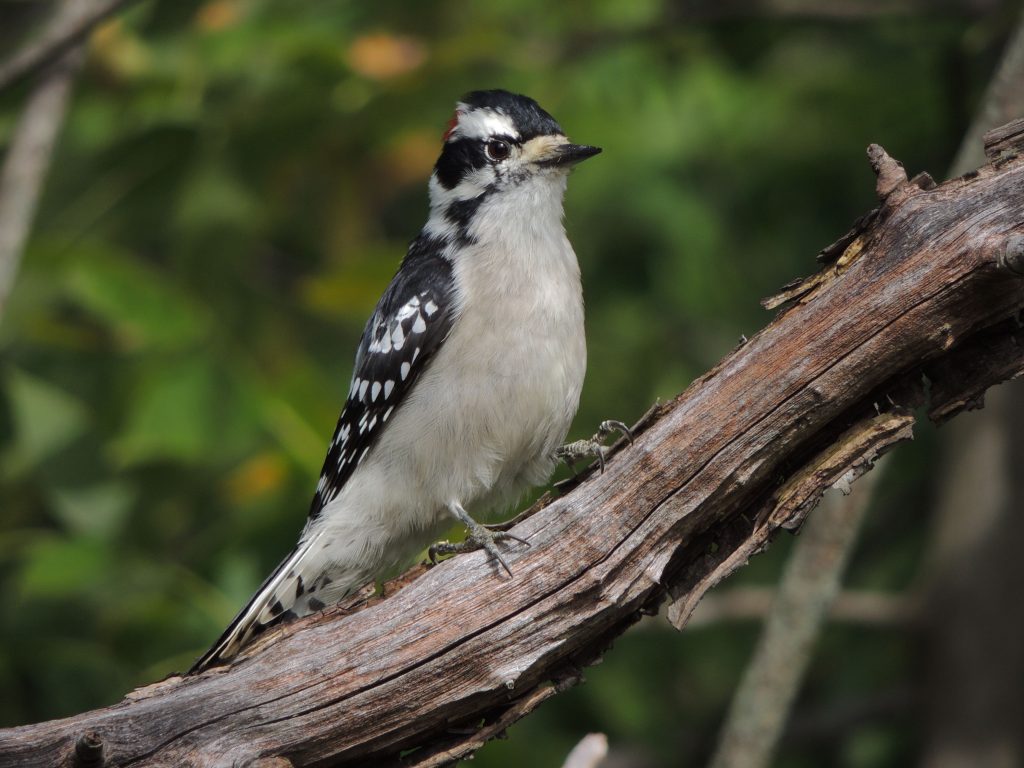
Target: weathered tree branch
(427,674)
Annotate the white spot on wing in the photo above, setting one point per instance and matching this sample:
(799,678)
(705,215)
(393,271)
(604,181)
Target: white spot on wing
(398,337)
(362,389)
(388,386)
(388,412)
(408,309)
(405,370)
(415,354)
(381,344)
(419,326)
(430,308)
(375,390)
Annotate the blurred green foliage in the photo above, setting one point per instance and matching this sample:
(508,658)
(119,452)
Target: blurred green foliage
(236,183)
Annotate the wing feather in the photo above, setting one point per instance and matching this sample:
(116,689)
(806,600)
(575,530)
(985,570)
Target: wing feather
(409,325)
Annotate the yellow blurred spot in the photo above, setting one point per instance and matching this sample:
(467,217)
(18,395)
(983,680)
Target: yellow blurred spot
(217,15)
(260,475)
(349,295)
(409,159)
(380,55)
(117,49)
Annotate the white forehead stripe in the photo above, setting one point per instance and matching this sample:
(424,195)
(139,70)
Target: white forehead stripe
(483,122)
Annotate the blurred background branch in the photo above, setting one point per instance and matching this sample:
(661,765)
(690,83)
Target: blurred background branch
(972,571)
(70,25)
(835,10)
(967,714)
(30,148)
(810,583)
(851,606)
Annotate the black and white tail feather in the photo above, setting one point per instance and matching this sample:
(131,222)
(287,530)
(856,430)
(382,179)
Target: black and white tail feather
(411,321)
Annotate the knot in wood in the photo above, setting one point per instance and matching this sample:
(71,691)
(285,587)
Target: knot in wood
(88,751)
(1012,256)
(889,171)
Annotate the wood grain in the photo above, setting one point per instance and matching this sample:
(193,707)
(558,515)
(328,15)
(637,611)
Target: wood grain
(428,674)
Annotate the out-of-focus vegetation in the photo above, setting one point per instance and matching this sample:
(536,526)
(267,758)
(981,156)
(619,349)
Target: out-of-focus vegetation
(235,185)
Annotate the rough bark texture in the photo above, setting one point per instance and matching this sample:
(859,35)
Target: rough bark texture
(428,674)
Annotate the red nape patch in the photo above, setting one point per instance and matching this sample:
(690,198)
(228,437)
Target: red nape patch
(452,124)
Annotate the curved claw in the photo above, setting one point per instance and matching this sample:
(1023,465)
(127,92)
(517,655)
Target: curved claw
(614,425)
(572,452)
(438,548)
(487,540)
(479,537)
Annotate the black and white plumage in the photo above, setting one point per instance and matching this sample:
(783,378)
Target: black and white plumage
(410,322)
(467,375)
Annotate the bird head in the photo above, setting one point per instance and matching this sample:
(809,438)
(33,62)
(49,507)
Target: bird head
(498,143)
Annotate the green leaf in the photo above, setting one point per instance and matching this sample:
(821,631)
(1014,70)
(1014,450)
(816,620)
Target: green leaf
(140,303)
(46,418)
(55,567)
(171,416)
(95,510)
(214,197)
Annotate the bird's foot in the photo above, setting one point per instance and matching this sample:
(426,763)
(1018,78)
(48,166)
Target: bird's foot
(479,537)
(570,453)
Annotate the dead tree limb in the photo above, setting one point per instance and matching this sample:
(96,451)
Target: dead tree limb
(927,285)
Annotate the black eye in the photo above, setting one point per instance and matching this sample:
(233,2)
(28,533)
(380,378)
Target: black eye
(497,149)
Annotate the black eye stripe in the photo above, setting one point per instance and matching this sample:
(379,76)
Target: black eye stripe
(457,159)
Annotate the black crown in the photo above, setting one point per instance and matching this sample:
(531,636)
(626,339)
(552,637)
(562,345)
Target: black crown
(527,115)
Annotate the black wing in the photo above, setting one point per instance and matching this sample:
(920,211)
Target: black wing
(411,321)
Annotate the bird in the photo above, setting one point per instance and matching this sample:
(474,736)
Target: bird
(467,375)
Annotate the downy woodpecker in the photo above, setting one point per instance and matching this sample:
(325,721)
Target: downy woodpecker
(467,375)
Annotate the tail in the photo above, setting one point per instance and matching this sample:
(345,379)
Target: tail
(288,592)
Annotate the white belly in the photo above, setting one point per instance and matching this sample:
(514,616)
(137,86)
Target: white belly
(481,424)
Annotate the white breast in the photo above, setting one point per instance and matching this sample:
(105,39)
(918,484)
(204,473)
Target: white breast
(505,386)
(481,424)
